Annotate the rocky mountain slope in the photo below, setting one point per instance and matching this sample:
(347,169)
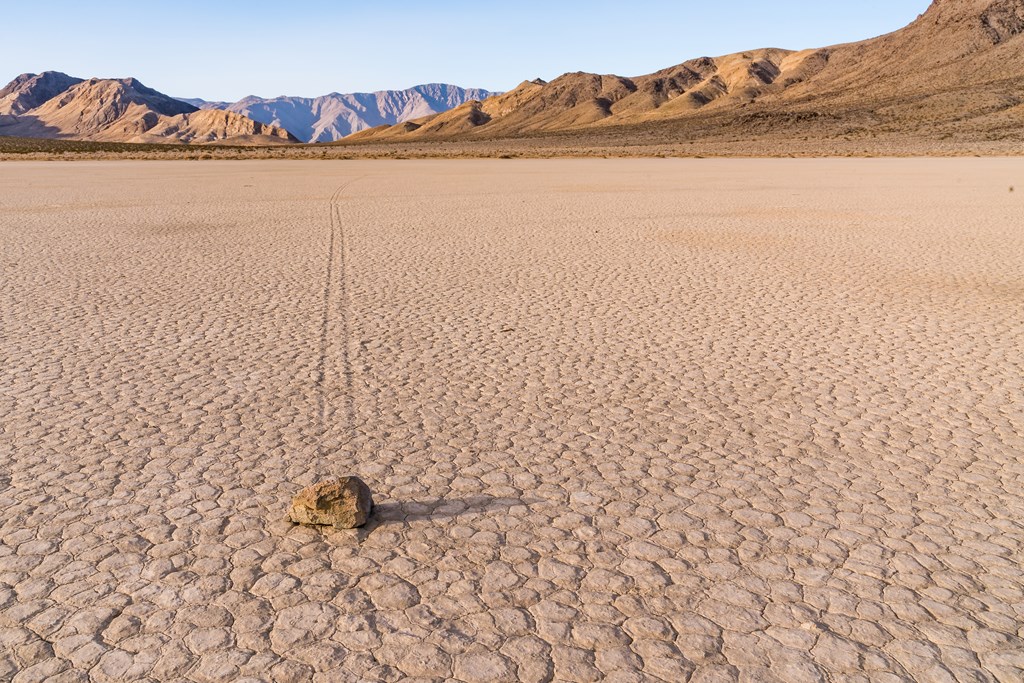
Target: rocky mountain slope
(332,117)
(54,105)
(28,91)
(959,67)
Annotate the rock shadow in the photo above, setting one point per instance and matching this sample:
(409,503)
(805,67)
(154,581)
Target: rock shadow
(394,512)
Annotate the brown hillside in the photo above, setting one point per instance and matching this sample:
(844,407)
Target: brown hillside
(118,110)
(213,125)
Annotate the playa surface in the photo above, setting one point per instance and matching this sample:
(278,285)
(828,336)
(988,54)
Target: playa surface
(709,420)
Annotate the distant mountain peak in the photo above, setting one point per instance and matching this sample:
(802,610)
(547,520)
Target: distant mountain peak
(331,117)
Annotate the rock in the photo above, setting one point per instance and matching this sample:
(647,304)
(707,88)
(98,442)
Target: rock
(343,503)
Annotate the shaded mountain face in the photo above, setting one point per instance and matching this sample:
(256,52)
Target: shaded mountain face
(959,66)
(54,105)
(332,117)
(28,91)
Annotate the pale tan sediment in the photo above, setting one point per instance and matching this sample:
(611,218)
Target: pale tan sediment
(625,419)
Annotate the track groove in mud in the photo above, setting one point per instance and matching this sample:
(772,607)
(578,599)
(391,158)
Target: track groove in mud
(334,281)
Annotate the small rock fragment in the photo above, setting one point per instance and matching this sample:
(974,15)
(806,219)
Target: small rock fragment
(342,503)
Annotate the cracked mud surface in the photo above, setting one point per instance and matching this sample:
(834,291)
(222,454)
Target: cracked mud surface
(624,420)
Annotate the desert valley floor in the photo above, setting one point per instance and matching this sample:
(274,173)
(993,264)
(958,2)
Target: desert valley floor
(665,420)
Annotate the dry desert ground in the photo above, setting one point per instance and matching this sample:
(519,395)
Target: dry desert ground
(624,420)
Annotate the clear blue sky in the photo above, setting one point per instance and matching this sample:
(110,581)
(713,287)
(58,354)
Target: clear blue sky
(225,50)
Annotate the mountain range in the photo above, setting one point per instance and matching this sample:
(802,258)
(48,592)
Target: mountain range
(55,105)
(957,72)
(334,116)
(959,68)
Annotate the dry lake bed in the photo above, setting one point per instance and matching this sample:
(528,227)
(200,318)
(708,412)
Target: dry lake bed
(625,420)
